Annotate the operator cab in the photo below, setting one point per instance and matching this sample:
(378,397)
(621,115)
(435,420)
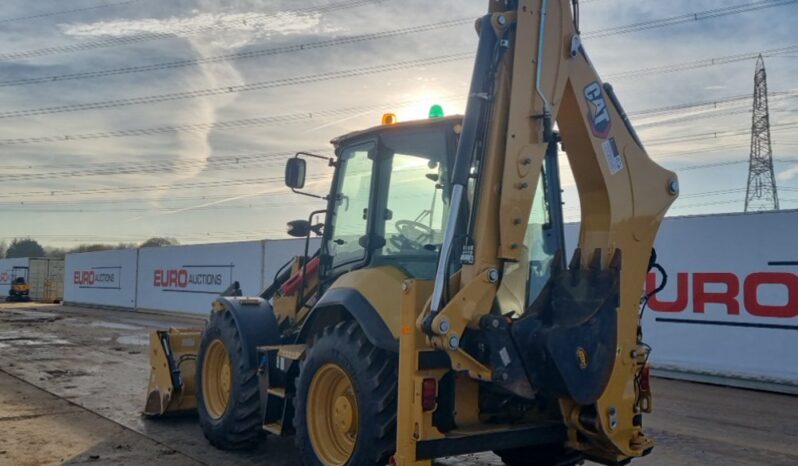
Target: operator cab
(389,197)
(389,202)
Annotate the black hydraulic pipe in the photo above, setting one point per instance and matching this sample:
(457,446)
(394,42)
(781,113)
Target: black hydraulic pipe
(477,99)
(554,195)
(473,123)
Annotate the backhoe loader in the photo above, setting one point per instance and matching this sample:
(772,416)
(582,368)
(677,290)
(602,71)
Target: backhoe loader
(440,315)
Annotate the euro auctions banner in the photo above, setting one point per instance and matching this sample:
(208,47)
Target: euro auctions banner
(188,278)
(106,278)
(729,311)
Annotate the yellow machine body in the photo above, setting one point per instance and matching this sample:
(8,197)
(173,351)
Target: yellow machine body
(623,194)
(543,78)
(173,361)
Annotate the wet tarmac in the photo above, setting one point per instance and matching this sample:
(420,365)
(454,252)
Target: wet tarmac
(87,370)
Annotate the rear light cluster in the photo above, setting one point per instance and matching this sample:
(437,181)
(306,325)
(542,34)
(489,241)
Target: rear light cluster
(429,394)
(645,378)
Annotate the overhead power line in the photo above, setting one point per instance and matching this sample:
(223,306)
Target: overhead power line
(240,55)
(696,64)
(688,18)
(219,125)
(136,168)
(315,114)
(714,103)
(151,36)
(704,63)
(65,12)
(715,135)
(144,37)
(104,200)
(235,89)
(149,188)
(307,79)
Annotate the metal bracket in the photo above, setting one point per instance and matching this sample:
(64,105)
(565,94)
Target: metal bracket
(576,45)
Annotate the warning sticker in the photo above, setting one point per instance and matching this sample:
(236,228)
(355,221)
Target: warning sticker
(614,159)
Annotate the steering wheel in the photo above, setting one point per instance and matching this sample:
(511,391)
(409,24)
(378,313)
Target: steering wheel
(412,235)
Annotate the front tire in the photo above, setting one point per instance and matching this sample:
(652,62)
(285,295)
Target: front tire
(346,400)
(228,402)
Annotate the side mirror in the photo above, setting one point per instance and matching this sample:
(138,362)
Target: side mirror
(299,228)
(295,174)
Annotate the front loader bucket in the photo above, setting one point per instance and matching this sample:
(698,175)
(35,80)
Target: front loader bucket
(173,360)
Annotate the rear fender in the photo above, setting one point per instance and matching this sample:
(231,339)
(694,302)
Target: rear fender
(339,304)
(255,320)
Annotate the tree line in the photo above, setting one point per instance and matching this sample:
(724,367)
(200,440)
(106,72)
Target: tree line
(29,247)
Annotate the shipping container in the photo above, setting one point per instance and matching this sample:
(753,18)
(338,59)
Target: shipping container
(46,278)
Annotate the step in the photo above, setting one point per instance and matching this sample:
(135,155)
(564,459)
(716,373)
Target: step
(276,391)
(292,352)
(273,428)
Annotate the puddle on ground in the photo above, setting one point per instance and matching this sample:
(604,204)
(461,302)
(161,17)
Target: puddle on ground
(163,324)
(59,373)
(20,316)
(137,340)
(29,338)
(114,325)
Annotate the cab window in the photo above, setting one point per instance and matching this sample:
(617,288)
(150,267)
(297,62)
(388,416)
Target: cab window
(351,206)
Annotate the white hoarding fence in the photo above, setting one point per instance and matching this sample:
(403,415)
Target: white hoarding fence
(729,312)
(105,278)
(188,278)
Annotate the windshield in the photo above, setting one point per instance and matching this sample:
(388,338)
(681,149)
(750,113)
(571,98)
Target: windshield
(392,199)
(350,212)
(415,167)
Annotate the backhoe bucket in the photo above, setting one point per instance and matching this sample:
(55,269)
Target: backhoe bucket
(173,361)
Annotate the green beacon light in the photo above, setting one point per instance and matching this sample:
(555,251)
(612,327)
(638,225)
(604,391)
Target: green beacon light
(436,111)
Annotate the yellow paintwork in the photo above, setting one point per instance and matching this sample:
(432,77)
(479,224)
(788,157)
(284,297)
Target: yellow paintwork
(382,288)
(332,418)
(162,396)
(218,379)
(412,423)
(620,210)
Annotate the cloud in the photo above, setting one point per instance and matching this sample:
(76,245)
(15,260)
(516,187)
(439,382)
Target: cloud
(209,34)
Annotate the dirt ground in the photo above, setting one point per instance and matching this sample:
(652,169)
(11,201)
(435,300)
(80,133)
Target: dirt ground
(72,385)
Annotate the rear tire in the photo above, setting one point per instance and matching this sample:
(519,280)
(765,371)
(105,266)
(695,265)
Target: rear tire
(344,371)
(542,455)
(229,421)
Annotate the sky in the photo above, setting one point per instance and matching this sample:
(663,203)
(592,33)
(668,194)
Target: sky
(126,119)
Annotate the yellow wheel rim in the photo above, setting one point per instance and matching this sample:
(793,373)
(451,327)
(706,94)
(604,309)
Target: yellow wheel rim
(217,379)
(332,415)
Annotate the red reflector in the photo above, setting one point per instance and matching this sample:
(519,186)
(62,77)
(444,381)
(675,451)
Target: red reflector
(429,394)
(645,378)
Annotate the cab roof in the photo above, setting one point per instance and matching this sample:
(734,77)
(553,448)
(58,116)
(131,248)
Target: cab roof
(381,129)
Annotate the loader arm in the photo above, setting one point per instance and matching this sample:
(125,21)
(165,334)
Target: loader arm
(530,72)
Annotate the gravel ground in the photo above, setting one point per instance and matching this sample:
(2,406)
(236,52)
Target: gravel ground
(73,380)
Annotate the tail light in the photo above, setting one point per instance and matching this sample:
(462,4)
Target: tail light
(429,394)
(645,378)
